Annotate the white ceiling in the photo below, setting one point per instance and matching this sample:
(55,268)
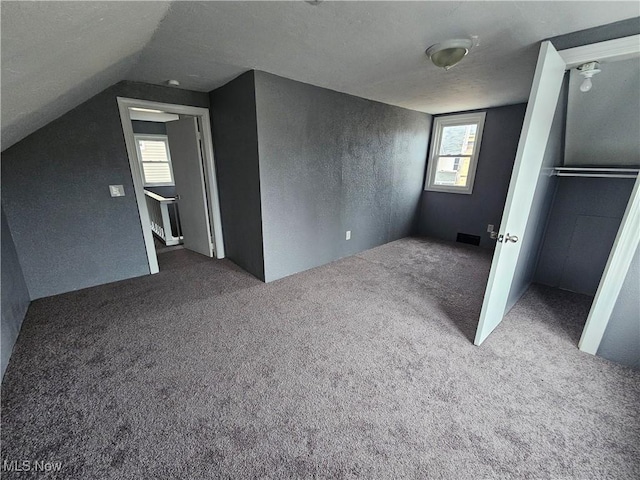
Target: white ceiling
(55,55)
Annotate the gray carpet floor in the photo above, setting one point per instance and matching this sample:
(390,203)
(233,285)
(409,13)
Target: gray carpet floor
(363,368)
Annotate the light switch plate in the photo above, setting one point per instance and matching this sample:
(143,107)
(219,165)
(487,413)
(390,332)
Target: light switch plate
(116,190)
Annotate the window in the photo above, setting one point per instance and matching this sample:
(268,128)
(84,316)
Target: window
(155,160)
(454,153)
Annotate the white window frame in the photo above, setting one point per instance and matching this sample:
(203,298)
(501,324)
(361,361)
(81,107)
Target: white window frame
(450,121)
(155,137)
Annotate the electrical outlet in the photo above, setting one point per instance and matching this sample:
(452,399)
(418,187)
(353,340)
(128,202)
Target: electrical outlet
(348,235)
(489,228)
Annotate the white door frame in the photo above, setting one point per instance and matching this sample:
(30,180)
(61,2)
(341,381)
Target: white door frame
(138,184)
(627,239)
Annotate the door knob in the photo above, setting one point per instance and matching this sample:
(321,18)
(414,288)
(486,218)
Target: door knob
(510,238)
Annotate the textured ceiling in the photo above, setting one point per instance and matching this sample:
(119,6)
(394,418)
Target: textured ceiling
(57,54)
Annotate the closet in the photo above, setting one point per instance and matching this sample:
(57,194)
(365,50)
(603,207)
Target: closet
(601,159)
(596,178)
(572,214)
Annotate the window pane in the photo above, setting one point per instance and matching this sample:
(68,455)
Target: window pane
(458,140)
(452,171)
(156,173)
(153,151)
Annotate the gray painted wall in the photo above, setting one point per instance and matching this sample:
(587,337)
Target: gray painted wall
(233,117)
(533,236)
(15,297)
(621,341)
(603,124)
(582,227)
(150,128)
(443,215)
(331,162)
(68,232)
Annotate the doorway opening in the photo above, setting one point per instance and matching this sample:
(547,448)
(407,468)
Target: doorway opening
(171,159)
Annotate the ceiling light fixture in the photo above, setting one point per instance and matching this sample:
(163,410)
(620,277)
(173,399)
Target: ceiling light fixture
(588,70)
(448,53)
(173,83)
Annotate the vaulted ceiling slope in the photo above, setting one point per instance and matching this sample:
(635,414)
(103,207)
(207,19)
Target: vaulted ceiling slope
(55,55)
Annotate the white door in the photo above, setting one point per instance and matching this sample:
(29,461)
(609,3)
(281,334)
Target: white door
(186,161)
(543,99)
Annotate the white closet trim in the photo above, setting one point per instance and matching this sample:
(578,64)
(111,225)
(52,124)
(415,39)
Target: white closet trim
(620,48)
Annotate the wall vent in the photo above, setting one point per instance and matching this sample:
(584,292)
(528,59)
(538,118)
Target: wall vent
(470,239)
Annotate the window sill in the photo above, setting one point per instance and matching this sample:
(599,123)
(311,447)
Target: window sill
(442,189)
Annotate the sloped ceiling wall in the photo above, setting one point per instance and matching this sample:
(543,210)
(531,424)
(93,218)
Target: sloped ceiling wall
(56,55)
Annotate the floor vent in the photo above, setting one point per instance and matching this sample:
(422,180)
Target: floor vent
(470,239)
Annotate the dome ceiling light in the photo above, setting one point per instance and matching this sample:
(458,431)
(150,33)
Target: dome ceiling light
(449,53)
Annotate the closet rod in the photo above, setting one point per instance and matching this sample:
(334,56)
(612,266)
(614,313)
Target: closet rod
(596,169)
(596,175)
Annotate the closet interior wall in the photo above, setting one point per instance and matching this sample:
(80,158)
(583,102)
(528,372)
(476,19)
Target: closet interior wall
(601,131)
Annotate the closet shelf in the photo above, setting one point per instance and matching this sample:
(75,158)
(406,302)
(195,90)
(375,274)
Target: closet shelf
(596,172)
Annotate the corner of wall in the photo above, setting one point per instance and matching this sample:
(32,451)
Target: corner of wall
(256,76)
(330,162)
(234,124)
(444,215)
(15,295)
